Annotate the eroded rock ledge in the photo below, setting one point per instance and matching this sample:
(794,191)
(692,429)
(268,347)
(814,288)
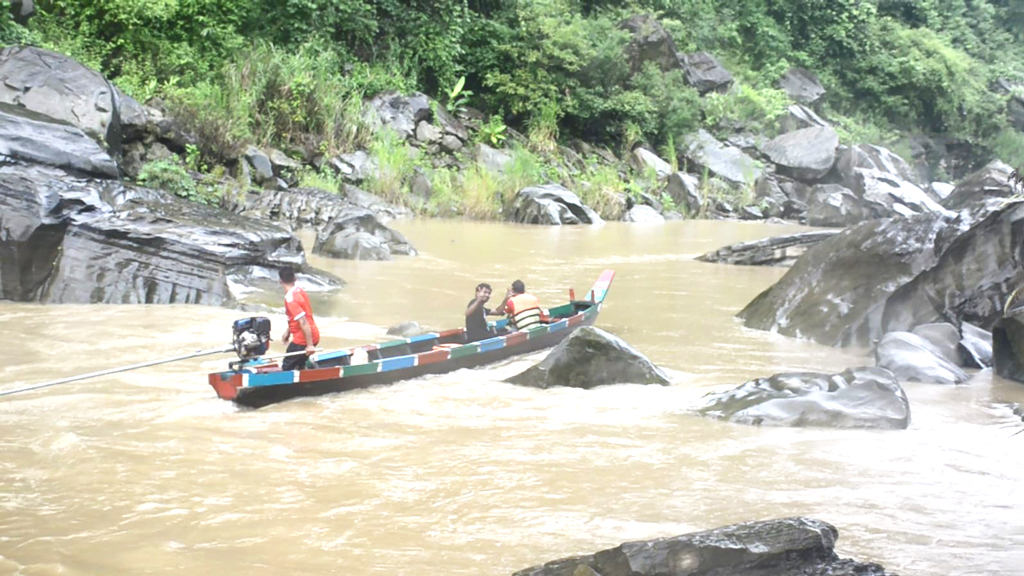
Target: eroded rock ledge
(785,547)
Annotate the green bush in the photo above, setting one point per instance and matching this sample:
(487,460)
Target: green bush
(172,177)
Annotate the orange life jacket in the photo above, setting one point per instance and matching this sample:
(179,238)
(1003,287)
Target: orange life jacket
(523,311)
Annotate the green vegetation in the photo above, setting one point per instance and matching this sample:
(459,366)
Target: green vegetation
(294,73)
(174,178)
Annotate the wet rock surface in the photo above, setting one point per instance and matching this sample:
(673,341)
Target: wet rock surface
(992,181)
(34,138)
(912,358)
(591,357)
(784,547)
(550,204)
(806,154)
(975,346)
(356,233)
(74,240)
(774,251)
(865,397)
(703,151)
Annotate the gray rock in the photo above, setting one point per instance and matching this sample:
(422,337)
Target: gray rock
(406,329)
(450,125)
(262,169)
(802,85)
(591,357)
(913,358)
(355,166)
(292,208)
(643,214)
(35,138)
(992,181)
(420,185)
(940,190)
(451,143)
(1008,346)
(684,190)
(399,113)
(349,234)
(774,251)
(834,205)
(703,151)
(704,73)
(491,159)
(785,547)
(798,117)
(650,43)
(643,160)
(835,293)
(672,216)
(72,240)
(23,10)
(550,204)
(883,195)
(975,346)
(872,158)
(281,162)
(944,337)
(61,88)
(864,397)
(751,213)
(363,199)
(806,154)
(426,133)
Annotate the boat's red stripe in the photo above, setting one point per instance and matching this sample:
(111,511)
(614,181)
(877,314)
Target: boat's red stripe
(451,332)
(226,388)
(319,374)
(575,320)
(432,357)
(516,338)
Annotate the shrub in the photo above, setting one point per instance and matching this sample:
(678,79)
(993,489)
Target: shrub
(395,163)
(172,177)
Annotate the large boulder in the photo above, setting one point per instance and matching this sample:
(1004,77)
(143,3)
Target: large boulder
(784,547)
(37,139)
(832,205)
(774,251)
(643,161)
(864,397)
(703,151)
(552,205)
(591,357)
(684,189)
(835,293)
(492,159)
(704,73)
(292,208)
(912,358)
(643,214)
(992,181)
(70,240)
(802,85)
(942,336)
(1008,346)
(355,166)
(871,157)
(884,195)
(798,117)
(650,43)
(357,233)
(806,154)
(63,89)
(399,112)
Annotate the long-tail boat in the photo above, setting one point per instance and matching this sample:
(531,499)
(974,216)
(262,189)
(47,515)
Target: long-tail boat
(255,382)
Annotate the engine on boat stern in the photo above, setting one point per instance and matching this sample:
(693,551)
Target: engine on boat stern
(251,337)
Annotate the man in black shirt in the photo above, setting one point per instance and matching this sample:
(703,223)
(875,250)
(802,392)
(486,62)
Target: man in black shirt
(476,321)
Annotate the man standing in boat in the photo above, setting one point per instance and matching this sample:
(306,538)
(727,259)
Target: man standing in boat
(523,309)
(302,330)
(476,321)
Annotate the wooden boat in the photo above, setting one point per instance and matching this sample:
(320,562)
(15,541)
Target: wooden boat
(259,382)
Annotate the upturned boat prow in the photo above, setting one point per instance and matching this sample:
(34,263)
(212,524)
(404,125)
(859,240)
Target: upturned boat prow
(255,381)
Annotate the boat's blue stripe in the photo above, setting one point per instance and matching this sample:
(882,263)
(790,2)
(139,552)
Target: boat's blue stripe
(560,325)
(491,344)
(398,363)
(272,378)
(332,355)
(422,337)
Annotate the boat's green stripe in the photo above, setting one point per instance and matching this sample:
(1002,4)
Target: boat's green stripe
(563,310)
(360,369)
(537,331)
(465,350)
(393,343)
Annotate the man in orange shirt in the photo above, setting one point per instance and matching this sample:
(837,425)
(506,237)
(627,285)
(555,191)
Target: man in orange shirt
(302,330)
(523,309)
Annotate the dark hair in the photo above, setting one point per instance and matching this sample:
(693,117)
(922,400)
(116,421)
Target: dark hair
(286,275)
(518,287)
(483,285)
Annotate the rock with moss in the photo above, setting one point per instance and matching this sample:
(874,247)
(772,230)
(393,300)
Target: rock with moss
(591,357)
(864,397)
(783,547)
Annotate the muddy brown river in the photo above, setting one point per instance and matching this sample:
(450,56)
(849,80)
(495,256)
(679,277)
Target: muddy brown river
(148,472)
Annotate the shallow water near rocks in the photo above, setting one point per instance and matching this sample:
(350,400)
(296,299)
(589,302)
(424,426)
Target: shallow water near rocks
(148,472)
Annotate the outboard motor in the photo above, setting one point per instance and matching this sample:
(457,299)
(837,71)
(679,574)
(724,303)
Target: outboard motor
(251,337)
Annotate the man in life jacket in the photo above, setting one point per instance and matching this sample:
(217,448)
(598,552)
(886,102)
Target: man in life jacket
(523,309)
(302,330)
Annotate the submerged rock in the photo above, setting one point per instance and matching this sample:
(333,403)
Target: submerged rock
(406,329)
(784,547)
(774,251)
(73,240)
(643,214)
(591,357)
(550,204)
(912,358)
(857,398)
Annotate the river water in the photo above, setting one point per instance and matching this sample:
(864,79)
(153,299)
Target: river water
(148,472)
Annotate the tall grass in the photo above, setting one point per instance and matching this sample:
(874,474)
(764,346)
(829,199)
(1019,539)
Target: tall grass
(395,164)
(603,189)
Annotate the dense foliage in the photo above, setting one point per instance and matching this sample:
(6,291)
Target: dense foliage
(287,70)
